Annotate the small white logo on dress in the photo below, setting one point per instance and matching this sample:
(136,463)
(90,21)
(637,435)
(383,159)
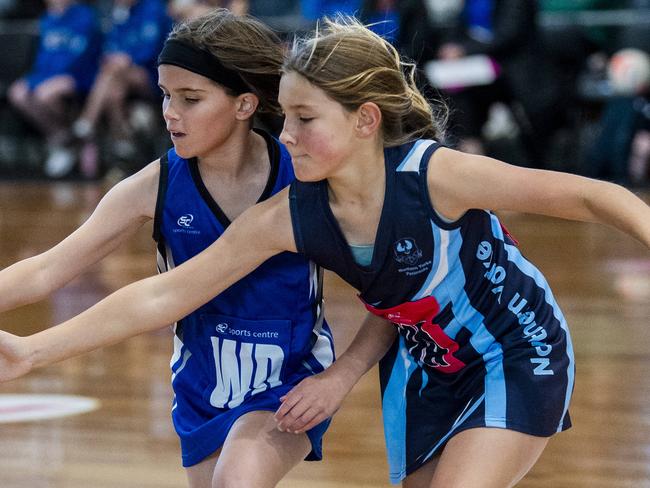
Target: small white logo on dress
(185,221)
(406,251)
(222,327)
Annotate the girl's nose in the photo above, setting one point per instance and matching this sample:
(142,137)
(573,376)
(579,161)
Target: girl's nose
(286,136)
(168,111)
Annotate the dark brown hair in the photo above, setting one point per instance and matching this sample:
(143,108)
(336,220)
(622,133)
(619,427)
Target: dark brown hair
(242,44)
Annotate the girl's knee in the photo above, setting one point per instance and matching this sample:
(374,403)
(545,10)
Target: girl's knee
(46,97)
(18,94)
(487,457)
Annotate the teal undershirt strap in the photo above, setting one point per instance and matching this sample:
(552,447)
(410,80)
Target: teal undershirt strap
(362,254)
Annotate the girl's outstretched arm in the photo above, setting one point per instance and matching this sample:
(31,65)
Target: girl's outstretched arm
(261,232)
(122,211)
(458,182)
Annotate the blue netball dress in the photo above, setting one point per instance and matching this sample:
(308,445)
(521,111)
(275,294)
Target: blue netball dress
(482,341)
(251,344)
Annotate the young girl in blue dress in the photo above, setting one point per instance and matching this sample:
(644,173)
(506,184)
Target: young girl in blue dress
(238,354)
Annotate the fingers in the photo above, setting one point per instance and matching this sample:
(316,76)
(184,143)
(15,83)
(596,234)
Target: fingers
(300,407)
(289,401)
(302,423)
(317,418)
(289,419)
(307,405)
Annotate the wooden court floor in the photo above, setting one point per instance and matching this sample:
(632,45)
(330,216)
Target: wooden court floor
(601,279)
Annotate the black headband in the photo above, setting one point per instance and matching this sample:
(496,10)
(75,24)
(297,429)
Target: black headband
(201,62)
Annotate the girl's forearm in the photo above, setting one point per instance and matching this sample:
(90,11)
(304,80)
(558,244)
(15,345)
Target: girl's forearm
(22,283)
(146,305)
(616,206)
(373,339)
(128,312)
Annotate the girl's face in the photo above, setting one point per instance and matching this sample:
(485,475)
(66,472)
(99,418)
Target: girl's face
(199,114)
(318,132)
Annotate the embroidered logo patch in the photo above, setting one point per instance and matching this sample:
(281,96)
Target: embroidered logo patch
(185,221)
(184,224)
(406,251)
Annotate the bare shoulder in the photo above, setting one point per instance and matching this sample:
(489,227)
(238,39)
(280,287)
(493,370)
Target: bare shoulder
(139,191)
(446,171)
(444,164)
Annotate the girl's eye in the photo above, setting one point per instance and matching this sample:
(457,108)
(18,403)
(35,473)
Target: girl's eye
(191,100)
(305,119)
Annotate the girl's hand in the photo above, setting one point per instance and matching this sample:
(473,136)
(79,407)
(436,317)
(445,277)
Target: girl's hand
(311,401)
(14,357)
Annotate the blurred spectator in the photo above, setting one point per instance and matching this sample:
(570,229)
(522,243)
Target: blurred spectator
(127,69)
(639,165)
(506,32)
(620,152)
(273,8)
(315,9)
(64,69)
(424,26)
(572,38)
(382,18)
(283,16)
(636,34)
(578,51)
(190,9)
(21,9)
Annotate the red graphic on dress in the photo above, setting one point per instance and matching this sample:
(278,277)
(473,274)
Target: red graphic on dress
(426,341)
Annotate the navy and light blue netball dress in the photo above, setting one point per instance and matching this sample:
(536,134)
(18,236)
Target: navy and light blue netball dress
(482,341)
(251,344)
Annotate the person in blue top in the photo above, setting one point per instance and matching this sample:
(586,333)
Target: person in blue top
(64,69)
(127,69)
(480,369)
(238,354)
(314,9)
(382,17)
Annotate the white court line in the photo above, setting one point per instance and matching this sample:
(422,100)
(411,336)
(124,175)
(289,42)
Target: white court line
(25,408)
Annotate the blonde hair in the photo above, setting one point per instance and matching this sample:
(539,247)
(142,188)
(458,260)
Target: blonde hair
(242,44)
(353,65)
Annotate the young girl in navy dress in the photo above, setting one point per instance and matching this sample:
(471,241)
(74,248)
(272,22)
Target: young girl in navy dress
(239,353)
(482,371)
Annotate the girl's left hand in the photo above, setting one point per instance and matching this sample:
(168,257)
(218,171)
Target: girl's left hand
(311,401)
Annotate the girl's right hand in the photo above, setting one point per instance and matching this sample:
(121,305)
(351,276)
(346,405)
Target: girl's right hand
(14,356)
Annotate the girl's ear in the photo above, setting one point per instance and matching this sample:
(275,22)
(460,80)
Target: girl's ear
(247,104)
(368,119)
